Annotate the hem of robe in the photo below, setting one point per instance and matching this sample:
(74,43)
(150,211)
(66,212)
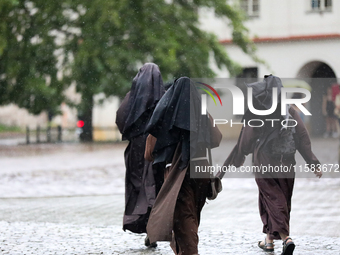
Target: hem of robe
(135,223)
(135,218)
(274,236)
(165,234)
(280,222)
(160,224)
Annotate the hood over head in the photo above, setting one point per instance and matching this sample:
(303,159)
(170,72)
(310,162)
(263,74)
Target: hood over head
(137,107)
(262,93)
(177,118)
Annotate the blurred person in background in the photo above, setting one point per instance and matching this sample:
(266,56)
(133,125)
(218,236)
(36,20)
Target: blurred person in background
(142,180)
(328,110)
(337,104)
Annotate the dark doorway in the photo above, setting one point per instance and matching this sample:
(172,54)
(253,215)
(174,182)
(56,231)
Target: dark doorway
(248,75)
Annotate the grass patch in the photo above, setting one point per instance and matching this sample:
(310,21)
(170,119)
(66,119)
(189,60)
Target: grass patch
(5,128)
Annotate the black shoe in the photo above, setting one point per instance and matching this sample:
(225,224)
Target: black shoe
(148,244)
(288,248)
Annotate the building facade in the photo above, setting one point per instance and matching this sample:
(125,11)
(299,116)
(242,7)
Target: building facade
(295,38)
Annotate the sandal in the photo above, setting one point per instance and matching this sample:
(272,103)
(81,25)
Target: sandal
(288,248)
(266,246)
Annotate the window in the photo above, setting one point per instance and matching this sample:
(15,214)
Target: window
(250,74)
(316,4)
(251,7)
(321,5)
(328,4)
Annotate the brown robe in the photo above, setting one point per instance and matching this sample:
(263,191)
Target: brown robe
(175,215)
(275,190)
(142,180)
(142,183)
(140,192)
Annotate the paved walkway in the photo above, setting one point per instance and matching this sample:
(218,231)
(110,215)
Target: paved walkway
(68,199)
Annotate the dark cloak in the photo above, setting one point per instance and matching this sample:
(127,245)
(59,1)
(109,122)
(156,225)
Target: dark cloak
(122,113)
(142,180)
(146,90)
(263,97)
(182,133)
(177,118)
(263,91)
(275,190)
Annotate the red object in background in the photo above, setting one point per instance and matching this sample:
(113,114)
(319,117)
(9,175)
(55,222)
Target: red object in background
(335,91)
(80,123)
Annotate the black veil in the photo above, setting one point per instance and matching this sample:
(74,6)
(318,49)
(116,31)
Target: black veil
(177,118)
(263,97)
(136,109)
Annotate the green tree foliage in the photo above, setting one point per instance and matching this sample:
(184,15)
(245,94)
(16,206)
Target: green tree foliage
(118,36)
(28,65)
(104,43)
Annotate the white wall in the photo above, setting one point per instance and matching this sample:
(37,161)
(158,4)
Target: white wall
(104,119)
(104,115)
(285,59)
(293,17)
(12,115)
(279,18)
(278,22)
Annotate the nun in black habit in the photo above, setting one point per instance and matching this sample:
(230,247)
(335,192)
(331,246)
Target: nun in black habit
(142,180)
(275,189)
(183,136)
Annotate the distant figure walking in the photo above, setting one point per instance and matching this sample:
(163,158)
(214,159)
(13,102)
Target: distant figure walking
(329,112)
(142,181)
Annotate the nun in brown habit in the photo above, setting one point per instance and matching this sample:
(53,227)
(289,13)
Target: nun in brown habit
(275,189)
(183,136)
(142,180)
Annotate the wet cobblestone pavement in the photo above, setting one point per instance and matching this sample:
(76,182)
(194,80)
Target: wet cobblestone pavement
(52,238)
(70,201)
